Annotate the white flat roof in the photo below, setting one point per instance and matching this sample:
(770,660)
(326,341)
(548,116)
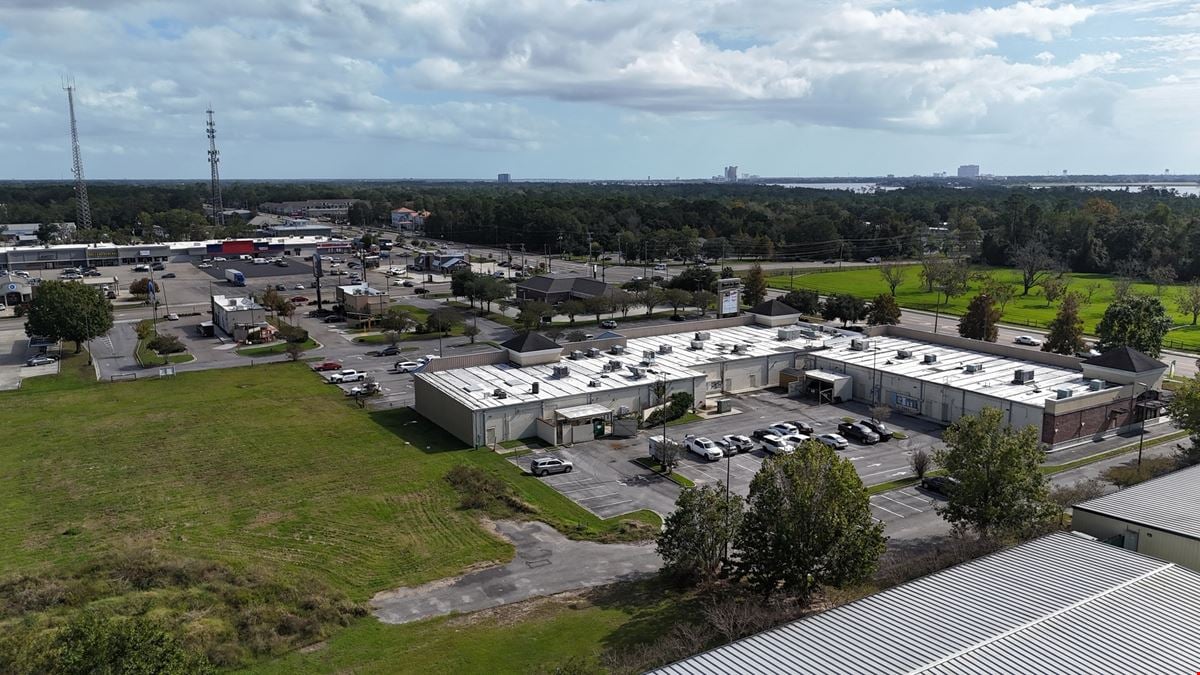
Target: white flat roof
(474,386)
(995,380)
(235,303)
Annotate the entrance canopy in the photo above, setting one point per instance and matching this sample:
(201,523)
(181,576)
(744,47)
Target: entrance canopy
(583,412)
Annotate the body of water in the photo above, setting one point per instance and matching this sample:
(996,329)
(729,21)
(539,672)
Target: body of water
(851,187)
(1183,189)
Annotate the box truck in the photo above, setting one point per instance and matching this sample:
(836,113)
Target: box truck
(235,277)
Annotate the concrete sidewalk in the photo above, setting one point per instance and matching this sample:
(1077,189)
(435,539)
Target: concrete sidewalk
(546,562)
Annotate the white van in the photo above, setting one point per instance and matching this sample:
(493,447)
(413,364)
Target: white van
(260,261)
(245,256)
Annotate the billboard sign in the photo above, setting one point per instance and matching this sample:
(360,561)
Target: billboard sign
(729,301)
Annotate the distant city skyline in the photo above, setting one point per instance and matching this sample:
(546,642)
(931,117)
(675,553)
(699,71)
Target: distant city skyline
(623,89)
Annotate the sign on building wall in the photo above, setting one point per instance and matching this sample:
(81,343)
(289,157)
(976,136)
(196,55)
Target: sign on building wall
(729,301)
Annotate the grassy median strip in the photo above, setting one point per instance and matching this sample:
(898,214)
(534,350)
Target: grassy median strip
(276,348)
(656,467)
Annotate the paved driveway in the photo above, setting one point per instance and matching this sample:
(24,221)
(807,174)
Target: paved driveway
(546,562)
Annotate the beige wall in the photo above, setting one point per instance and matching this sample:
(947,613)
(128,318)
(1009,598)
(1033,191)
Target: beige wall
(444,411)
(1150,541)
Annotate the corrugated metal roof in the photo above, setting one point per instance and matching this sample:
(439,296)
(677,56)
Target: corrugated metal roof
(1058,604)
(1169,503)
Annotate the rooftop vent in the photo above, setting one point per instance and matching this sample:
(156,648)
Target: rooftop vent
(617,349)
(697,345)
(614,364)
(593,352)
(500,393)
(903,354)
(1063,393)
(1023,376)
(637,371)
(974,368)
(562,371)
(702,335)
(665,349)
(593,383)
(858,345)
(576,355)
(535,387)
(739,349)
(1096,385)
(930,358)
(648,354)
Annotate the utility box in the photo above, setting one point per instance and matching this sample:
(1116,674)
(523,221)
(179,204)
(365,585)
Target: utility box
(724,405)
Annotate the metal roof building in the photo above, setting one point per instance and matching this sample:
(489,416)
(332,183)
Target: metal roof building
(1160,517)
(1056,605)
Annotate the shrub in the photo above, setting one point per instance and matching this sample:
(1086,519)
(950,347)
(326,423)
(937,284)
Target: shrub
(144,329)
(292,333)
(676,407)
(165,344)
(480,490)
(1130,473)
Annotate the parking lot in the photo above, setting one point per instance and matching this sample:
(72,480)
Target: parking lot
(608,484)
(909,502)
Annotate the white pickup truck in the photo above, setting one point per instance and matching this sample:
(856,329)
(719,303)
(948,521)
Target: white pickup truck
(348,375)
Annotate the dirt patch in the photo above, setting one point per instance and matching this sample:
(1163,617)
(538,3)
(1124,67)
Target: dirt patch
(314,647)
(265,518)
(511,614)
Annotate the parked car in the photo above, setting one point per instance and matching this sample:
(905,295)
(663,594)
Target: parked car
(406,366)
(834,441)
(1088,353)
(168,275)
(334,318)
(298,300)
(157,267)
(91,273)
(774,445)
(298,287)
(796,440)
(40,360)
(759,434)
(543,466)
(1027,340)
(802,427)
(882,430)
(172,316)
(858,432)
(281,263)
(393,350)
(784,428)
(738,443)
(328,365)
(704,447)
(608,324)
(942,485)
(348,375)
(420,291)
(280,287)
(828,261)
(218,259)
(408,284)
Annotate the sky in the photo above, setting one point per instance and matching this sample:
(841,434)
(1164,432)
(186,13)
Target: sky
(607,89)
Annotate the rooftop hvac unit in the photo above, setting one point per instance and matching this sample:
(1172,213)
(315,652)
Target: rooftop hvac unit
(576,355)
(614,364)
(1063,393)
(665,349)
(648,354)
(637,371)
(790,334)
(809,333)
(974,368)
(593,352)
(903,354)
(500,393)
(930,358)
(702,335)
(1096,385)
(739,349)
(623,410)
(617,349)
(561,371)
(697,345)
(593,383)
(1023,376)
(857,345)
(535,387)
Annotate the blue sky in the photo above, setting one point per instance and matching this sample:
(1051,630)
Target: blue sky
(599,89)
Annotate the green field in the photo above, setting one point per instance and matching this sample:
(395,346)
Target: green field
(528,637)
(1030,310)
(262,469)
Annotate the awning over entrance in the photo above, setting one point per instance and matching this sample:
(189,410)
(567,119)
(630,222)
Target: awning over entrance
(827,378)
(583,412)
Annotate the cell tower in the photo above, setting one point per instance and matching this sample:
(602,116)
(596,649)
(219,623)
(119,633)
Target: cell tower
(83,209)
(214,158)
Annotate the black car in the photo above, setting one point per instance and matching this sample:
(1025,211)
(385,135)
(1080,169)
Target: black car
(758,434)
(884,431)
(942,485)
(389,351)
(858,432)
(157,267)
(803,427)
(420,291)
(334,318)
(168,275)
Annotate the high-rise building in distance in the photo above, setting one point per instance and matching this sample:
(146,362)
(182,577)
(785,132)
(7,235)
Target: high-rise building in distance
(968,171)
(731,174)
(503,178)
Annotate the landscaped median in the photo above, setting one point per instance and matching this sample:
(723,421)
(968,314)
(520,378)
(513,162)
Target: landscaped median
(1047,469)
(656,467)
(156,349)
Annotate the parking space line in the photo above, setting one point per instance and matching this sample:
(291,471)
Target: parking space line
(907,506)
(588,499)
(887,510)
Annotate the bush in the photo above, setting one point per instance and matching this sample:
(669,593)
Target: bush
(1130,473)
(292,333)
(144,329)
(676,407)
(483,491)
(165,344)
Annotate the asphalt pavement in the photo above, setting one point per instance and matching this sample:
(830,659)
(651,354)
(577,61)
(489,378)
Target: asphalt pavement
(545,563)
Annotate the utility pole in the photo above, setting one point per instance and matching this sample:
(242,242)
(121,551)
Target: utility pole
(83,208)
(213,159)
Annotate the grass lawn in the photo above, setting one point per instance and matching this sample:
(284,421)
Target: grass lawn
(1028,310)
(277,348)
(521,638)
(148,357)
(259,468)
